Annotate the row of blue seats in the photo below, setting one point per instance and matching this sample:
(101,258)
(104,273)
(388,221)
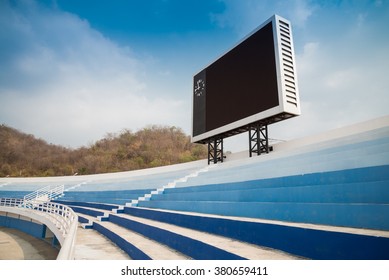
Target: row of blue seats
(364,192)
(321,143)
(358,215)
(133,182)
(25,187)
(92,205)
(361,154)
(361,185)
(352,198)
(285,167)
(117,191)
(113,197)
(188,246)
(13,194)
(346,176)
(301,241)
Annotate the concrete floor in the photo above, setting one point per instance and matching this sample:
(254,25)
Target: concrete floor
(91,245)
(17,245)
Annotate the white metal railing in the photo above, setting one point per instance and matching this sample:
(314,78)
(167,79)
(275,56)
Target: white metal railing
(57,215)
(11,202)
(45,194)
(61,215)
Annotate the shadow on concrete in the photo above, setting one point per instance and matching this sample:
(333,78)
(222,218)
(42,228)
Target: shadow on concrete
(17,245)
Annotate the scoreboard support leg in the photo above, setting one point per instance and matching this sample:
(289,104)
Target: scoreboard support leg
(258,139)
(215,150)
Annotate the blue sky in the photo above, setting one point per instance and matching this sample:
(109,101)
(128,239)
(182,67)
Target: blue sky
(72,71)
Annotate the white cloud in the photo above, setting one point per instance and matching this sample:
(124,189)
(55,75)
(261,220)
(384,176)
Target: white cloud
(300,11)
(70,85)
(341,61)
(244,16)
(336,91)
(65,82)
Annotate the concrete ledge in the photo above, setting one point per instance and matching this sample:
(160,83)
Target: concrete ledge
(36,215)
(29,227)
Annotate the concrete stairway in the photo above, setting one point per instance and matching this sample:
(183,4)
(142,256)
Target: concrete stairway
(91,245)
(145,238)
(161,234)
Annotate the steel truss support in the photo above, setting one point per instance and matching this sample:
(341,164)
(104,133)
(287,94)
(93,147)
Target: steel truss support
(258,139)
(215,150)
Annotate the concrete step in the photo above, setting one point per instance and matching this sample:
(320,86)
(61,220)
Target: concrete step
(358,215)
(311,241)
(279,165)
(346,176)
(211,245)
(94,205)
(151,248)
(100,214)
(86,221)
(92,245)
(376,192)
(219,246)
(243,249)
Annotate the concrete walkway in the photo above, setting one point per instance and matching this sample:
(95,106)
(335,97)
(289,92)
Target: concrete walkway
(17,245)
(91,245)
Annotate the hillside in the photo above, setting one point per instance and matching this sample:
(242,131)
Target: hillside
(23,155)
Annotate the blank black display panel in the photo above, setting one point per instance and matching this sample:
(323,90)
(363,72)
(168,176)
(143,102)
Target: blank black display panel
(241,83)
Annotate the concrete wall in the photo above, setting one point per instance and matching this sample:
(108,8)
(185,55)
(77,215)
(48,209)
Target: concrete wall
(22,223)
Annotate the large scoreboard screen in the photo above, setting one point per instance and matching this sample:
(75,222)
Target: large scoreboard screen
(254,81)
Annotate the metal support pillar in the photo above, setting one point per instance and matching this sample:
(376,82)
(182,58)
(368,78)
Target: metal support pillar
(215,150)
(258,139)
